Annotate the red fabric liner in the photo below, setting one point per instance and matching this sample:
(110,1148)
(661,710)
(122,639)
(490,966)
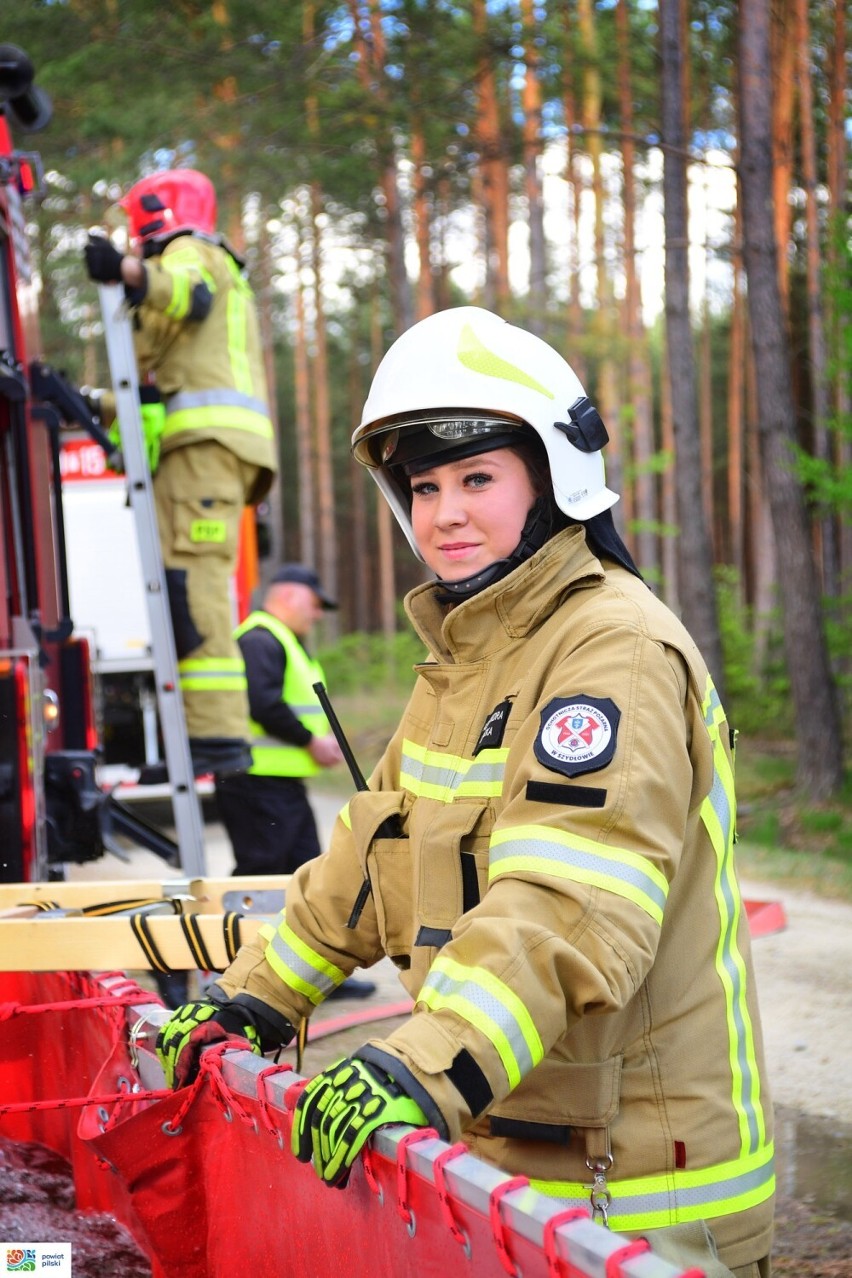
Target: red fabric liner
(224,1195)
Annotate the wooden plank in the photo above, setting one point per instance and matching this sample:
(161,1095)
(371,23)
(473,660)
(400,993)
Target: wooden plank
(75,895)
(206,891)
(68,944)
(243,891)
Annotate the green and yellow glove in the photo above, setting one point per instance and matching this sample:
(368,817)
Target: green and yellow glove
(153,412)
(340,1109)
(195,1026)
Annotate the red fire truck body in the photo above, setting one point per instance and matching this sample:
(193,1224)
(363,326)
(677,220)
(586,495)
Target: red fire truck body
(49,802)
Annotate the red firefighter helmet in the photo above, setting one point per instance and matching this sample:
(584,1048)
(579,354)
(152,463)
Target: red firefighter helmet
(169,201)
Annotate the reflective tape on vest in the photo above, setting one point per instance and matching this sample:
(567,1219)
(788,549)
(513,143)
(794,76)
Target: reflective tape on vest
(717,813)
(222,409)
(212,674)
(429,774)
(272,756)
(299,966)
(540,849)
(491,1007)
(653,1202)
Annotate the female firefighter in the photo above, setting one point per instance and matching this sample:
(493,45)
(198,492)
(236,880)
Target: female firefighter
(546,848)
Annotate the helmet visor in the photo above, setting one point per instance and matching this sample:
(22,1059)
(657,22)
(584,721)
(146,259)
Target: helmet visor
(417,443)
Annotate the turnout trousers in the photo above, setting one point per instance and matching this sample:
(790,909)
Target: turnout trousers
(200,490)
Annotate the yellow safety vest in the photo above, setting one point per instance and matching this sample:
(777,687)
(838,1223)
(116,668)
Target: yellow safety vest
(271,756)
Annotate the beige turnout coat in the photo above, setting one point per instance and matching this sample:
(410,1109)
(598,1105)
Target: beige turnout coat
(561,902)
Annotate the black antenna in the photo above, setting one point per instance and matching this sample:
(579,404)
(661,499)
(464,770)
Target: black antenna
(389,828)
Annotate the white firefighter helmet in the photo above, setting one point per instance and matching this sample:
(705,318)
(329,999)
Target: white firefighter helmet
(460,382)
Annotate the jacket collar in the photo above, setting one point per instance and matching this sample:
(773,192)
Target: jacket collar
(509,609)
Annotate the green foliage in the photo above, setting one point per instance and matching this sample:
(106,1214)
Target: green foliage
(838,632)
(361,662)
(757,688)
(783,837)
(829,479)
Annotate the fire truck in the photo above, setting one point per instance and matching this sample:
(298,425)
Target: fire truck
(52,809)
(48,796)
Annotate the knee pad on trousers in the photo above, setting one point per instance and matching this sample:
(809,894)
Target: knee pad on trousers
(187,637)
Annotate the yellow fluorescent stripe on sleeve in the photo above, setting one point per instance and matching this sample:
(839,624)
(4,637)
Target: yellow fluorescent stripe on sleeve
(301,967)
(490,1006)
(539,849)
(179,304)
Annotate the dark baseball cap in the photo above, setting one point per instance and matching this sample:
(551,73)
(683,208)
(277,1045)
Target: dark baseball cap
(300,575)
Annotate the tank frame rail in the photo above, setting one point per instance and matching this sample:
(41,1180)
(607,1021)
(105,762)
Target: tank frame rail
(66,926)
(414,1205)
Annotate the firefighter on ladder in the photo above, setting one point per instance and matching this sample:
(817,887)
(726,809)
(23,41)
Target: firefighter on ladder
(561,899)
(209,436)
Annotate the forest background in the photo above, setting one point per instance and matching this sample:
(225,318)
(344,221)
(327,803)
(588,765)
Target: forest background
(659,190)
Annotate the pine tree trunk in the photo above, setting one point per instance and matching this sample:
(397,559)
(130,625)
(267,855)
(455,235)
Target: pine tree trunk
(761,555)
(818,727)
(371,70)
(532,174)
(668,492)
(816,327)
(604,324)
(357,582)
(328,556)
(837,193)
(574,179)
(783,99)
(494,171)
(736,361)
(696,583)
(384,517)
(422,226)
(304,434)
(644,542)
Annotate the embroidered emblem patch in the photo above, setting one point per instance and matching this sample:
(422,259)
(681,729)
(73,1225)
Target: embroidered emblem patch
(577,734)
(494,728)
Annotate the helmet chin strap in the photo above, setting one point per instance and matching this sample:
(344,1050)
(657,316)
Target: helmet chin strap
(539,527)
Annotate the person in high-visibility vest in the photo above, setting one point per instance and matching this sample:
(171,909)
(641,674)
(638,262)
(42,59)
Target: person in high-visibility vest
(546,848)
(266,810)
(210,439)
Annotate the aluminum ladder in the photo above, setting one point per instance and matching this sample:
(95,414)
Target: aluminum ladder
(189,824)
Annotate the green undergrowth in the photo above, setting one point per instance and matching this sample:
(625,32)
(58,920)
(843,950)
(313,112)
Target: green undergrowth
(783,836)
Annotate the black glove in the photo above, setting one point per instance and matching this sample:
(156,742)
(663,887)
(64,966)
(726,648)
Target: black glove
(195,1026)
(103,260)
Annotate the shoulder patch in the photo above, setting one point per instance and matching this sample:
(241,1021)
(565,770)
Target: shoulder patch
(577,734)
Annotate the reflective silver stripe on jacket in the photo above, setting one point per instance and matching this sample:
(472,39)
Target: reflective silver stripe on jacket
(223,397)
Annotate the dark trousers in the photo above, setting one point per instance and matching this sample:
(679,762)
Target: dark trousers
(269,821)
